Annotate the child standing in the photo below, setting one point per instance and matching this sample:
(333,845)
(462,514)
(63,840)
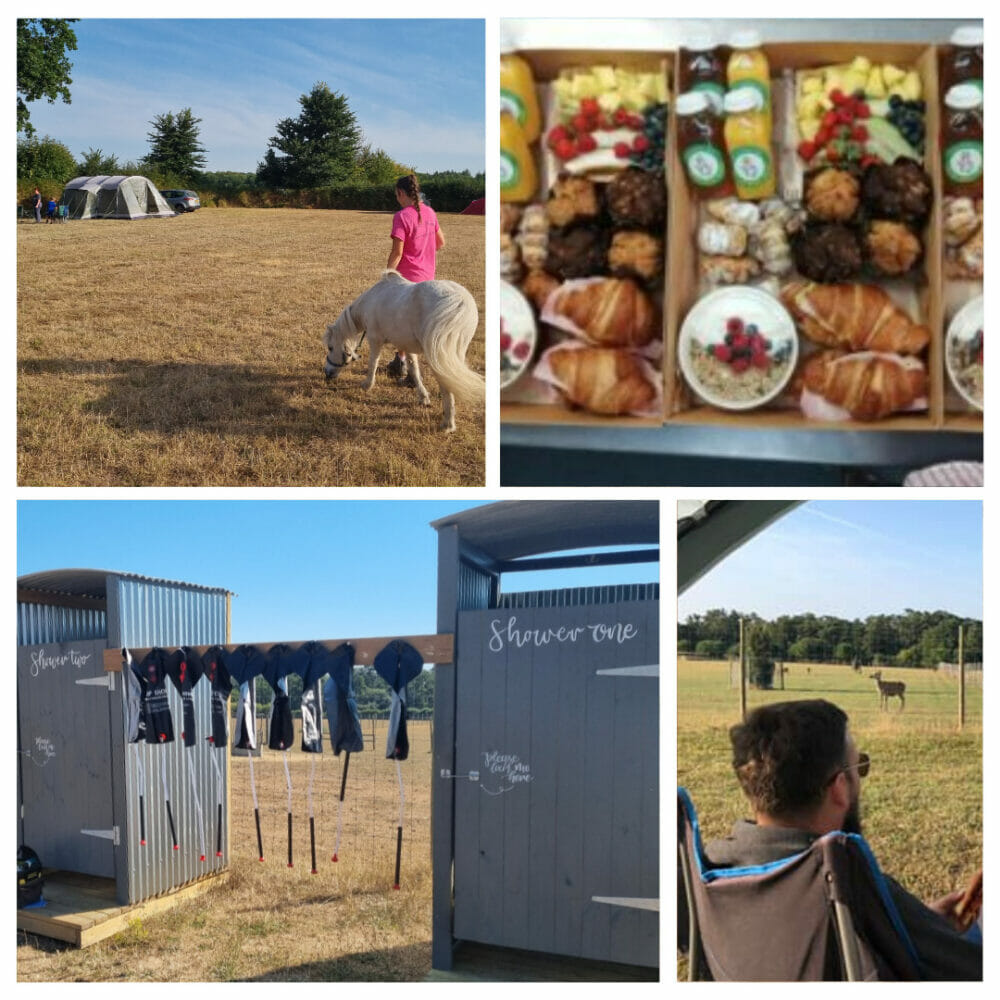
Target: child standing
(416,238)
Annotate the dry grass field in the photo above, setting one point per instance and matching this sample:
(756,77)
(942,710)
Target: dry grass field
(268,922)
(187,352)
(922,803)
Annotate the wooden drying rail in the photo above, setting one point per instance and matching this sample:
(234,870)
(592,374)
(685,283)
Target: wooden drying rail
(433,648)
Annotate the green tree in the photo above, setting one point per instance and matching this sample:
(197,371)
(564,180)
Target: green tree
(376,166)
(42,64)
(318,149)
(95,163)
(44,159)
(761,656)
(175,145)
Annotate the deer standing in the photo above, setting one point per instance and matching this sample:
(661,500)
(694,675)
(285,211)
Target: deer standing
(887,690)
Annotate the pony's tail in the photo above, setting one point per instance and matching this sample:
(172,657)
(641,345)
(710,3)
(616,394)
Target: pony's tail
(455,324)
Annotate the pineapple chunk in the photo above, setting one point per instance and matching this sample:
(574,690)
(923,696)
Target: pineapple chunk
(833,79)
(861,64)
(875,87)
(660,93)
(604,78)
(808,127)
(854,80)
(892,74)
(810,106)
(608,101)
(911,86)
(812,85)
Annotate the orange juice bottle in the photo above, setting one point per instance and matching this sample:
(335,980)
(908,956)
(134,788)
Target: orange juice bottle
(748,67)
(748,141)
(517,94)
(518,177)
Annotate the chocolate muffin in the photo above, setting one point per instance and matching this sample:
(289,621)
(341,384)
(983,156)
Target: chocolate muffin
(827,253)
(577,253)
(901,191)
(637,198)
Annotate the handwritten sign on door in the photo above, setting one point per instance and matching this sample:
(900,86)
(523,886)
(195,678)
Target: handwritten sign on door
(505,634)
(42,660)
(503,772)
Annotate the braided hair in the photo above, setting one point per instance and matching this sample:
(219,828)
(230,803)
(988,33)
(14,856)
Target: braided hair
(410,186)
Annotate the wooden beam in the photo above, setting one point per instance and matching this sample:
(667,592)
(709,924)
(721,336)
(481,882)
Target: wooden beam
(26,595)
(433,648)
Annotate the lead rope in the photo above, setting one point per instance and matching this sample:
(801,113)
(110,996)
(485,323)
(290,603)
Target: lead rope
(288,782)
(197,809)
(218,795)
(166,796)
(256,807)
(399,828)
(312,820)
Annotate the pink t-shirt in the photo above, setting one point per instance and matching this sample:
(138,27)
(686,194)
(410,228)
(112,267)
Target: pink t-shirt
(419,241)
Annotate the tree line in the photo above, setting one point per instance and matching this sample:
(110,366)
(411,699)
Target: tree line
(317,159)
(371,693)
(910,639)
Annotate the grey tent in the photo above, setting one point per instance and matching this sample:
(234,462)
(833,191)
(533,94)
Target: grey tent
(114,198)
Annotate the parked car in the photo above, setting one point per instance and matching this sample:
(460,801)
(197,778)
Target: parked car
(182,201)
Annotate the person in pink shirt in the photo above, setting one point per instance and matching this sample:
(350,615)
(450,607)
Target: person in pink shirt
(416,239)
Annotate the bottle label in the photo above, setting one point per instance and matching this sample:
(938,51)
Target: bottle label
(963,161)
(716,92)
(510,172)
(704,164)
(762,88)
(513,105)
(751,165)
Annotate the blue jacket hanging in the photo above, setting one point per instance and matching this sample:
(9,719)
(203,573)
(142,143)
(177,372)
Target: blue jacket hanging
(310,661)
(341,708)
(398,664)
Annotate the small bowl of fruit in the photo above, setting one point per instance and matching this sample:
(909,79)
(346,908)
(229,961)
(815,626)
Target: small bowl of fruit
(518,334)
(963,352)
(737,348)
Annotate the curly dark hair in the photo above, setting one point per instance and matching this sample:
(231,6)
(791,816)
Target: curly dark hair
(784,754)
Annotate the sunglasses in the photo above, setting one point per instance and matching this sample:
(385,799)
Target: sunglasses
(863,765)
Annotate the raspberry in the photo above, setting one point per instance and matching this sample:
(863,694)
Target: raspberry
(722,353)
(522,350)
(637,122)
(565,149)
(586,142)
(621,116)
(740,365)
(556,134)
(580,123)
(760,360)
(739,341)
(622,150)
(505,341)
(807,149)
(838,96)
(640,144)
(734,325)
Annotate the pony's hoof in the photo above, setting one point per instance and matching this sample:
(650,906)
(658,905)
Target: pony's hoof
(425,400)
(447,428)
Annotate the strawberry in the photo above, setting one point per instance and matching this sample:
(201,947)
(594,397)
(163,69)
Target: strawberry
(580,123)
(844,116)
(807,149)
(565,149)
(869,159)
(722,353)
(586,142)
(838,96)
(859,133)
(622,150)
(862,110)
(640,143)
(621,116)
(589,106)
(832,152)
(557,134)
(829,119)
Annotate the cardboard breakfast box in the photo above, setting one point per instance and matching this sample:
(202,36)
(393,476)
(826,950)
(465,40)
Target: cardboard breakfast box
(681,406)
(545,66)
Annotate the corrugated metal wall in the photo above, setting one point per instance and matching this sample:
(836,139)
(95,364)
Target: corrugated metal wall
(476,589)
(143,613)
(38,623)
(574,596)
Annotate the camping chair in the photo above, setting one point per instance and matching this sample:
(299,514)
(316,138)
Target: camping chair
(62,212)
(825,913)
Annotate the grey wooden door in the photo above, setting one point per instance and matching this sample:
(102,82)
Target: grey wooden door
(64,759)
(564,814)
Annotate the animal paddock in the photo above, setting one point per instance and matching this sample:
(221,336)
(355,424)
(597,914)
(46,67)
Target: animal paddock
(269,922)
(921,803)
(189,352)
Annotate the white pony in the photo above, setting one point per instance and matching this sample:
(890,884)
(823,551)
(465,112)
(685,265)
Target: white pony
(434,318)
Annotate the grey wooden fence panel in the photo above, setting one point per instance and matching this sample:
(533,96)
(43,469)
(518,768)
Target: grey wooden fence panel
(71,790)
(467,794)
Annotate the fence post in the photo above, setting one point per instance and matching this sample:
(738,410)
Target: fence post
(743,675)
(961,677)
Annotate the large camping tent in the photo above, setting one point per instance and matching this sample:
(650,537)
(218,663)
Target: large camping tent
(114,198)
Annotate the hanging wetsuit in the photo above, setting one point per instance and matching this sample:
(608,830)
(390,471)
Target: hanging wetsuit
(184,668)
(341,708)
(398,664)
(310,662)
(244,664)
(155,706)
(282,731)
(221,683)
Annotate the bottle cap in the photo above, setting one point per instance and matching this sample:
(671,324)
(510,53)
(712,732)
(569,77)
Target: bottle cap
(692,102)
(967,36)
(964,97)
(742,99)
(699,41)
(747,38)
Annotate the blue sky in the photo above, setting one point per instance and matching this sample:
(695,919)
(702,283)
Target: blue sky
(852,559)
(416,87)
(302,569)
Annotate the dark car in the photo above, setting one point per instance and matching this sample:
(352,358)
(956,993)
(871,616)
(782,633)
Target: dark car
(182,201)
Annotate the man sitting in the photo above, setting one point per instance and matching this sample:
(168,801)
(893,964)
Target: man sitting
(801,770)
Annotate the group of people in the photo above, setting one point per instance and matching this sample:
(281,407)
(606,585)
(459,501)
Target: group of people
(51,207)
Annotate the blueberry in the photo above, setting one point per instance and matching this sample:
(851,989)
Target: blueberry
(895,101)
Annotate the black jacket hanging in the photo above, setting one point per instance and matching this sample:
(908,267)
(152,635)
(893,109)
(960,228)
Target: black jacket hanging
(282,731)
(155,706)
(311,661)
(218,677)
(398,664)
(341,708)
(184,668)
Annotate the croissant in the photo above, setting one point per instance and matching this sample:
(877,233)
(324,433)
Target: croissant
(854,316)
(868,386)
(609,382)
(606,312)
